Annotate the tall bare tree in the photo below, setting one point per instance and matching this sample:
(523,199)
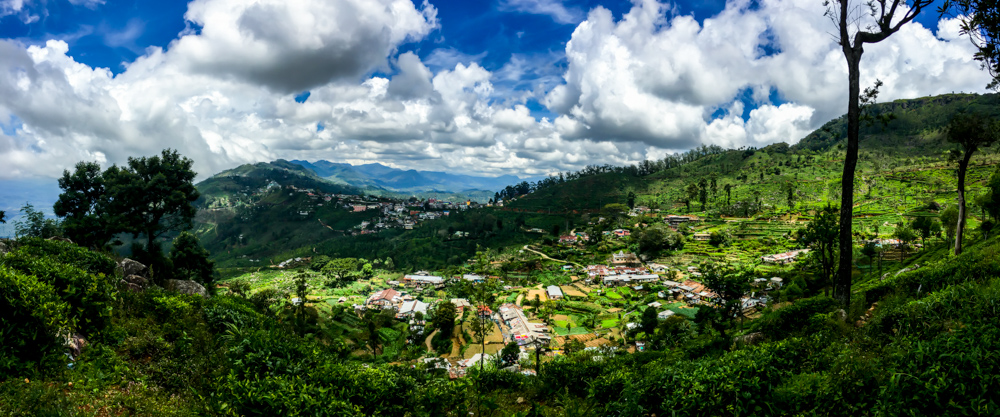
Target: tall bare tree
(870,22)
(971,132)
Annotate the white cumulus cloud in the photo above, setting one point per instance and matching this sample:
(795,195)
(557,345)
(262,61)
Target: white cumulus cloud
(624,89)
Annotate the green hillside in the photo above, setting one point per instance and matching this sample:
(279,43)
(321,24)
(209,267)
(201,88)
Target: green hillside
(909,150)
(924,342)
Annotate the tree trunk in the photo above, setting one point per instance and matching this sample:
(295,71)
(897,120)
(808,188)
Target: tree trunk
(963,165)
(842,289)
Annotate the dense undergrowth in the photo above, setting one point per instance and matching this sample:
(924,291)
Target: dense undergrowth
(929,346)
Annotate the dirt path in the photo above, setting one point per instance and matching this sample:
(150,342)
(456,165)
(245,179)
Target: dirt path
(544,256)
(428,341)
(456,347)
(520,297)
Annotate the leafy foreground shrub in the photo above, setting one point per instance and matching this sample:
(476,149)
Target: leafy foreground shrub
(89,295)
(794,319)
(979,263)
(33,316)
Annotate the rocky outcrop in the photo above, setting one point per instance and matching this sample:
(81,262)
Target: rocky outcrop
(748,339)
(130,267)
(134,274)
(135,283)
(3,248)
(185,287)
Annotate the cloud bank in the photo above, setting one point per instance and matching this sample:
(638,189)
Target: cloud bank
(647,83)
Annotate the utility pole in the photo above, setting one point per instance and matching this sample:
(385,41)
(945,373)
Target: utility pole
(537,343)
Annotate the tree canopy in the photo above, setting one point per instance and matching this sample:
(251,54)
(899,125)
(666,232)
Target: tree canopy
(190,260)
(83,206)
(152,195)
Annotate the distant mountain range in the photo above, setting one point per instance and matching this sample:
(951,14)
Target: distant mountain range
(406,181)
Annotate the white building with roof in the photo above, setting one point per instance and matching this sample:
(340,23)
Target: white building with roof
(554,292)
(423,280)
(409,308)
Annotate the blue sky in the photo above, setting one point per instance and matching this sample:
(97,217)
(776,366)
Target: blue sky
(523,87)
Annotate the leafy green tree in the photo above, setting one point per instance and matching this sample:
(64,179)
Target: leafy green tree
(925,226)
(319,262)
(444,318)
(510,354)
(690,193)
(949,220)
(672,332)
(885,20)
(153,195)
(34,224)
(366,271)
(703,193)
(906,236)
(729,188)
(340,270)
(970,132)
(573,345)
(871,250)
(649,321)
(719,238)
(821,235)
(659,237)
(630,200)
(991,202)
(730,285)
(190,260)
(301,291)
(371,322)
(3,217)
(82,205)
(239,288)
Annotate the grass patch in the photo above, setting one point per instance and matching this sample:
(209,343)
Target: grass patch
(561,331)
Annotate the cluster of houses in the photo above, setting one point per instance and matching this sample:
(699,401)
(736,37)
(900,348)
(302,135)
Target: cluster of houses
(573,238)
(404,304)
(523,331)
(387,213)
(784,257)
(691,291)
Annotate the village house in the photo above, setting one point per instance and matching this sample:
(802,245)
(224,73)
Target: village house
(665,314)
(409,308)
(783,258)
(460,305)
(522,330)
(657,268)
(473,278)
(675,221)
(621,233)
(554,292)
(597,270)
(628,279)
(702,237)
(567,239)
(485,312)
(384,299)
(420,281)
(625,259)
